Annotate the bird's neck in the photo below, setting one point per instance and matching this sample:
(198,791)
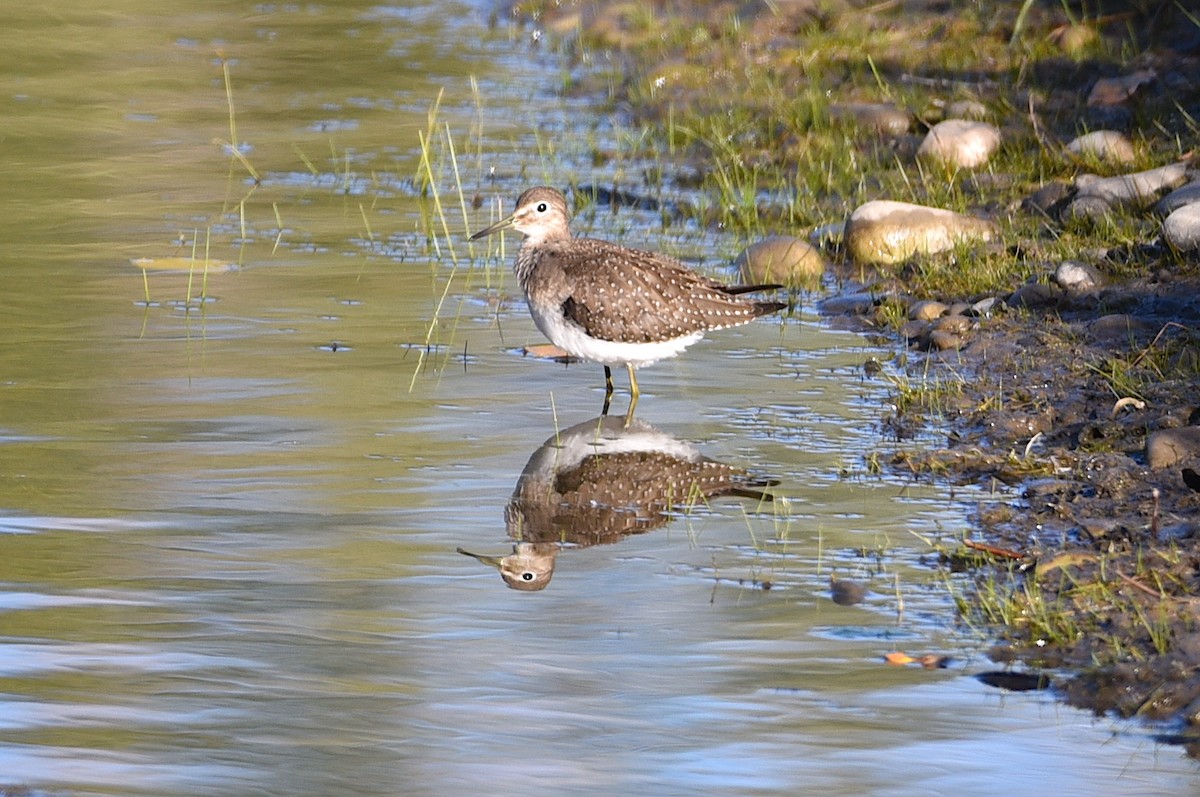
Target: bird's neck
(531,251)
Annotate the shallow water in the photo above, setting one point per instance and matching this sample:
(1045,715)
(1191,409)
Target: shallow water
(230,503)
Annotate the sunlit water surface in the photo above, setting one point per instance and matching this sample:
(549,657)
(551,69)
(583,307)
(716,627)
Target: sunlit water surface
(230,501)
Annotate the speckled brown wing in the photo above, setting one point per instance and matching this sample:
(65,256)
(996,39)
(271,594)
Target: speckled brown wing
(628,295)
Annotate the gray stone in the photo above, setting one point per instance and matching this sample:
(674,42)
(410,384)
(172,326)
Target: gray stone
(944,340)
(1075,276)
(1034,294)
(1132,190)
(1088,207)
(1182,228)
(967,109)
(1185,195)
(878,117)
(1168,447)
(1116,328)
(986,306)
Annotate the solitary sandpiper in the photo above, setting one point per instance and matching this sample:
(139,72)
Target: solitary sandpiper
(613,305)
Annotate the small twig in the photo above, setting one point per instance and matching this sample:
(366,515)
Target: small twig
(1154,342)
(1128,401)
(1133,582)
(1004,553)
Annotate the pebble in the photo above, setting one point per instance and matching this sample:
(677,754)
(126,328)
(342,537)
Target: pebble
(961,143)
(1182,228)
(1048,198)
(944,340)
(781,259)
(1075,39)
(879,117)
(1075,276)
(926,310)
(1168,447)
(1115,328)
(846,592)
(1104,145)
(986,306)
(827,234)
(1118,90)
(967,109)
(848,304)
(957,324)
(885,232)
(1187,195)
(1034,294)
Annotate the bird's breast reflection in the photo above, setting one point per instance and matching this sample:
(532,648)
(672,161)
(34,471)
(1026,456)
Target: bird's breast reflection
(600,481)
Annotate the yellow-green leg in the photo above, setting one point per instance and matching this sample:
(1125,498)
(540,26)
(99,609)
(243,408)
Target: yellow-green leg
(633,394)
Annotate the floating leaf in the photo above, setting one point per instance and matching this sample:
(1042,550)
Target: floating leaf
(898,658)
(546,350)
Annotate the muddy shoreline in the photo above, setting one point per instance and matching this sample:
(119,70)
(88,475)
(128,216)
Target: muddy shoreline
(1086,566)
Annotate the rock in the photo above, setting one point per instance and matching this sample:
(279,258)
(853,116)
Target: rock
(1034,294)
(961,143)
(1181,230)
(1117,90)
(781,259)
(986,306)
(926,310)
(1074,39)
(1088,207)
(887,232)
(957,324)
(1103,145)
(1075,276)
(1168,447)
(914,330)
(1047,199)
(827,234)
(1186,195)
(846,592)
(1115,328)
(848,304)
(967,109)
(1132,190)
(945,340)
(878,117)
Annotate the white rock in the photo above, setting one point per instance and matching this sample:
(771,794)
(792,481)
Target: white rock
(1105,145)
(886,232)
(961,142)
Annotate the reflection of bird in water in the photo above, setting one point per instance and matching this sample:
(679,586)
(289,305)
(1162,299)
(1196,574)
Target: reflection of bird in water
(614,305)
(600,481)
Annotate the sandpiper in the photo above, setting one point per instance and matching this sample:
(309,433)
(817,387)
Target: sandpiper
(610,304)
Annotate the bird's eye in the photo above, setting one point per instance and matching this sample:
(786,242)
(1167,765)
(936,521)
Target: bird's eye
(527,576)
(541,207)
